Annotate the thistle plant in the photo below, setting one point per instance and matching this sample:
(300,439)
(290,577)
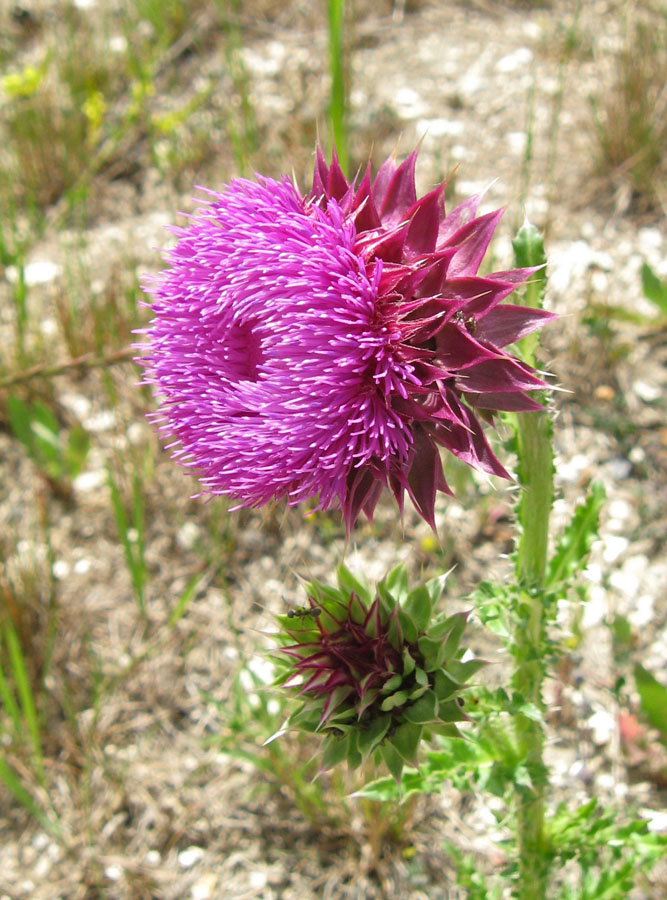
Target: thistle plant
(323,347)
(376,672)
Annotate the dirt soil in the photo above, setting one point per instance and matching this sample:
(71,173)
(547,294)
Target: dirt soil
(160,789)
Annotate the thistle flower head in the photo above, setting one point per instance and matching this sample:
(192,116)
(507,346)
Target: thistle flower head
(326,346)
(374,674)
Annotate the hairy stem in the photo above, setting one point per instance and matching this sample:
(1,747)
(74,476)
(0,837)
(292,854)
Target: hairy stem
(536,476)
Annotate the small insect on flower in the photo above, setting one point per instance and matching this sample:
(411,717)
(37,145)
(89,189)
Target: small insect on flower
(323,347)
(313,611)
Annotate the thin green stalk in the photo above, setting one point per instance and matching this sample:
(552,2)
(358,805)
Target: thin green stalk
(338,104)
(535,474)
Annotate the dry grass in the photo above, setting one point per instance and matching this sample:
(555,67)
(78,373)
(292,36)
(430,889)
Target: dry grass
(631,112)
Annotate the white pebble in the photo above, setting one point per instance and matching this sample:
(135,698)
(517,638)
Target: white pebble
(204,887)
(258,880)
(90,481)
(513,61)
(60,569)
(190,857)
(113,872)
(602,725)
(643,611)
(615,545)
(649,393)
(81,566)
(188,535)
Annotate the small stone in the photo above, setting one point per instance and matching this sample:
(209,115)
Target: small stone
(204,887)
(153,858)
(113,872)
(190,857)
(604,392)
(643,611)
(615,545)
(619,468)
(637,455)
(81,566)
(513,61)
(90,481)
(649,393)
(60,569)
(188,535)
(40,841)
(258,880)
(657,820)
(602,725)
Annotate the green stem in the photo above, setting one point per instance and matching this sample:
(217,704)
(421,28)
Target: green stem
(338,69)
(536,476)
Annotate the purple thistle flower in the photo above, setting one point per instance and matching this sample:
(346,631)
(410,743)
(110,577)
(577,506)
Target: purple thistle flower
(326,346)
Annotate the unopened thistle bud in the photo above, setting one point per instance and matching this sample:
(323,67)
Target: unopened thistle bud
(375,672)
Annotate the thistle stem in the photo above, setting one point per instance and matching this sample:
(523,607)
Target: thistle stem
(536,476)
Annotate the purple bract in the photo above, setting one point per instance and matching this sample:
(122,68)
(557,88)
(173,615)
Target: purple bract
(326,346)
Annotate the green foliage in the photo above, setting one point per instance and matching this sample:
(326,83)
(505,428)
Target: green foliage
(608,851)
(60,454)
(654,289)
(653,698)
(131,529)
(571,554)
(19,711)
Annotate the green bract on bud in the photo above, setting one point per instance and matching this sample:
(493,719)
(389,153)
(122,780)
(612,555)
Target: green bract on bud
(374,671)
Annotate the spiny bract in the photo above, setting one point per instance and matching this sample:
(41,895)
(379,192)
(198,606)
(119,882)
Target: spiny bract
(375,671)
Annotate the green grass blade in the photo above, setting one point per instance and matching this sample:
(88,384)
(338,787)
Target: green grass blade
(11,781)
(25,694)
(184,600)
(10,705)
(133,556)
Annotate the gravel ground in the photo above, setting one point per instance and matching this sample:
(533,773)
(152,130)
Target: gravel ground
(152,798)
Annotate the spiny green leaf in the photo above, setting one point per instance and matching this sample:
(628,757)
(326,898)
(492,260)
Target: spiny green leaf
(369,738)
(454,638)
(394,700)
(444,685)
(397,582)
(406,740)
(393,759)
(420,676)
(419,607)
(432,651)
(528,249)
(653,696)
(394,682)
(334,751)
(424,710)
(574,546)
(408,662)
(410,633)
(654,289)
(462,671)
(354,585)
